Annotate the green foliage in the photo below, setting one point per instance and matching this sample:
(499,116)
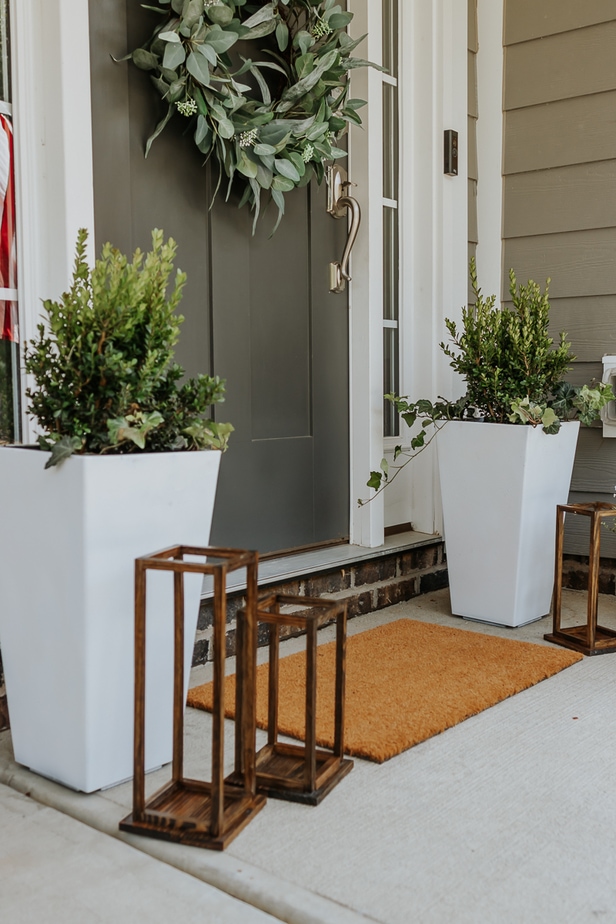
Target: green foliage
(103,366)
(271,122)
(513,373)
(507,354)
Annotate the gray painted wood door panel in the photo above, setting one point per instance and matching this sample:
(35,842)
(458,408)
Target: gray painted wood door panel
(258,311)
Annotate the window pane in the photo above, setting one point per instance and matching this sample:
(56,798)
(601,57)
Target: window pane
(391,382)
(9,391)
(5,56)
(390,264)
(390,141)
(390,36)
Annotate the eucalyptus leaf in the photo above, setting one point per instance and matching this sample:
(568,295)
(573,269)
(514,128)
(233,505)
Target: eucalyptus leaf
(158,130)
(283,184)
(220,39)
(169,37)
(191,12)
(144,60)
(265,93)
(265,14)
(198,68)
(246,167)
(208,53)
(287,169)
(219,14)
(226,128)
(260,31)
(282,35)
(339,20)
(174,56)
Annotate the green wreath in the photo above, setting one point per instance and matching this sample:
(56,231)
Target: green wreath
(274,132)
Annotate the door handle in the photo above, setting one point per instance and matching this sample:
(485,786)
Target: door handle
(338,205)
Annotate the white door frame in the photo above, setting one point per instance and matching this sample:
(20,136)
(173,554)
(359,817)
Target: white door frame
(433,246)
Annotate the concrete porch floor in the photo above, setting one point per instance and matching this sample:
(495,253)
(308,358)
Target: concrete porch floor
(509,817)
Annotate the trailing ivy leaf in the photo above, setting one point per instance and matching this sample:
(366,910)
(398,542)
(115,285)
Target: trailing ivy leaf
(374,481)
(61,450)
(133,428)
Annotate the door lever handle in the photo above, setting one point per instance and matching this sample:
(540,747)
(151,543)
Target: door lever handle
(338,205)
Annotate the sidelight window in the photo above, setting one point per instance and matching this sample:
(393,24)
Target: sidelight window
(391,338)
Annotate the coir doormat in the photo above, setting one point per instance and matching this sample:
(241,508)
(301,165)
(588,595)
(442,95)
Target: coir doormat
(406,681)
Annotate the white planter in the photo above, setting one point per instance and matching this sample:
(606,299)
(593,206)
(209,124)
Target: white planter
(68,540)
(500,486)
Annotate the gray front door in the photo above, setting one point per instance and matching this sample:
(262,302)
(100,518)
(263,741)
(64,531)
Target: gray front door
(280,339)
(258,310)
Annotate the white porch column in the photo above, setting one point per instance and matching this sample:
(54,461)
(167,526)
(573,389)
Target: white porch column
(53,145)
(366,291)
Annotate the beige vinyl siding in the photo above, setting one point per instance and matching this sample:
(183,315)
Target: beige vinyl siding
(560,194)
(472,130)
(529,19)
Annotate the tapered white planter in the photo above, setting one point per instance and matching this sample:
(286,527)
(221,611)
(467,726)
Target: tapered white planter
(500,485)
(68,540)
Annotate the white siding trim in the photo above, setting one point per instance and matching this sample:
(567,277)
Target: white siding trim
(490,145)
(53,147)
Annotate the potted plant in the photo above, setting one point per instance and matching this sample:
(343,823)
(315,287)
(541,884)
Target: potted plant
(505,453)
(113,478)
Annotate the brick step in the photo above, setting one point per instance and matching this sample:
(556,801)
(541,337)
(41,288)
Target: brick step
(367,584)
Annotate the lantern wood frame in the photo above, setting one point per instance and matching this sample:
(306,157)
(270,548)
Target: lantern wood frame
(590,638)
(187,811)
(303,773)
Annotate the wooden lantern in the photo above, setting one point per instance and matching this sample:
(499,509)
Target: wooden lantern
(195,812)
(302,773)
(590,638)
